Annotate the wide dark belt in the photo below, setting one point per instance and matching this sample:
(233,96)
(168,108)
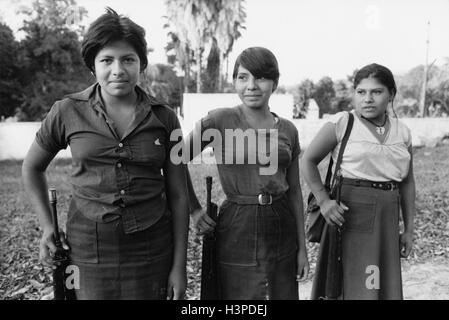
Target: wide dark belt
(383,185)
(263,199)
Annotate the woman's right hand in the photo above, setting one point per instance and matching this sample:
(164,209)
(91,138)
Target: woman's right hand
(202,222)
(333,212)
(47,246)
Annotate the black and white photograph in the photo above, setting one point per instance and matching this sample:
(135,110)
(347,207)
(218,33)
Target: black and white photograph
(224,150)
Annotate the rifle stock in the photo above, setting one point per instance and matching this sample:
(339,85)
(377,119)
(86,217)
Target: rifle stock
(334,279)
(61,258)
(209,280)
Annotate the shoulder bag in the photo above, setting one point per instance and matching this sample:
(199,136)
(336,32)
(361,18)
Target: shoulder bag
(315,220)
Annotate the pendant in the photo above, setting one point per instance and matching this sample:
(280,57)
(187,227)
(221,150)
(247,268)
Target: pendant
(380,130)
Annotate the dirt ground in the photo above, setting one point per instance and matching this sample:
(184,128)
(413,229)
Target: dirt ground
(421,281)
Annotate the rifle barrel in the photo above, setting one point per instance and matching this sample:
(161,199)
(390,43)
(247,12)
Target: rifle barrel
(54,214)
(208,193)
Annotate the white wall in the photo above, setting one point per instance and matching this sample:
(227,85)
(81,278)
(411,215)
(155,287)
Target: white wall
(16,138)
(197,106)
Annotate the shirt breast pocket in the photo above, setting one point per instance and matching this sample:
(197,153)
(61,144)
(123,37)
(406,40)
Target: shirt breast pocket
(151,150)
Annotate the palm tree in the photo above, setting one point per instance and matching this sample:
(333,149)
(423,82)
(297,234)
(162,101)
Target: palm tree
(205,24)
(231,21)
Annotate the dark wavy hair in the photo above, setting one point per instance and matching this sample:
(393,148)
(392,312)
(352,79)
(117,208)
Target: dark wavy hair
(260,61)
(111,27)
(378,72)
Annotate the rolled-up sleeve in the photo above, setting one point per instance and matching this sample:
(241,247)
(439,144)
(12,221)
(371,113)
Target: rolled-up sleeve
(51,135)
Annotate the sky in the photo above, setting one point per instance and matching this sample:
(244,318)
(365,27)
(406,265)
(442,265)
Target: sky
(310,38)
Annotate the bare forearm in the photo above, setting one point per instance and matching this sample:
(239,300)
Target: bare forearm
(408,195)
(296,204)
(35,185)
(311,174)
(180,231)
(194,203)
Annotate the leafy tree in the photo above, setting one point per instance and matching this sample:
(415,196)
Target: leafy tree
(10,88)
(409,85)
(438,91)
(191,19)
(161,81)
(323,95)
(231,19)
(306,91)
(212,74)
(302,93)
(409,91)
(408,107)
(343,96)
(50,55)
(182,58)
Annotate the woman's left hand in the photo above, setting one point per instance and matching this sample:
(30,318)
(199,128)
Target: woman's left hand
(303,265)
(177,284)
(405,244)
(203,223)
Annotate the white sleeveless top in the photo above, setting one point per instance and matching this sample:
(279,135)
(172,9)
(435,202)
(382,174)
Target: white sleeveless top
(368,159)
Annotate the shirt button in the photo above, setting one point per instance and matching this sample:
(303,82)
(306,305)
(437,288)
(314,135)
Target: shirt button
(119,165)
(120,145)
(122,191)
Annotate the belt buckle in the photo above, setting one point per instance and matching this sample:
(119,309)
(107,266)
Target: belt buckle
(391,186)
(261,197)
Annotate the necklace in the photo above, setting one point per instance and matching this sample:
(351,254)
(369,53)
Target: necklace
(380,130)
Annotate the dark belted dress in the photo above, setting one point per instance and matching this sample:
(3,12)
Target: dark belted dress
(119,224)
(256,237)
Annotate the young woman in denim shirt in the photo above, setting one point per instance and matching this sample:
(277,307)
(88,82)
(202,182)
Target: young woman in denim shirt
(377,185)
(260,235)
(127,241)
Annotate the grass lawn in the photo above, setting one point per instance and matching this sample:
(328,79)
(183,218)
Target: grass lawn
(22,277)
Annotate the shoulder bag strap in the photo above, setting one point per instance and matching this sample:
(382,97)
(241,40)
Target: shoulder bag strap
(340,153)
(343,145)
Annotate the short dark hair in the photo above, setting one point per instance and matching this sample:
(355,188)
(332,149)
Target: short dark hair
(111,27)
(378,72)
(260,61)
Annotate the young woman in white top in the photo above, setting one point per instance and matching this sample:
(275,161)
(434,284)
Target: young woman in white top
(378,184)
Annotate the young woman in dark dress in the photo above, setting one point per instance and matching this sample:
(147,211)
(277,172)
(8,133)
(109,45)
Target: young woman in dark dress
(260,229)
(125,238)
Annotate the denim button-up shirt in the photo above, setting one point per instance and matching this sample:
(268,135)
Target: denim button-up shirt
(113,176)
